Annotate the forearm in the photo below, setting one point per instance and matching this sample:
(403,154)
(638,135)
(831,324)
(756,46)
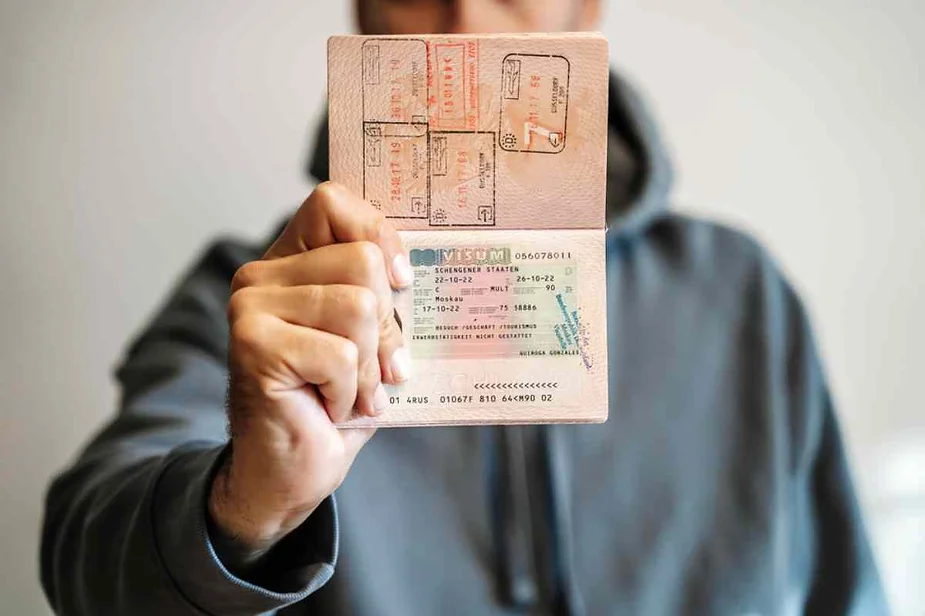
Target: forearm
(100,550)
(125,528)
(136,541)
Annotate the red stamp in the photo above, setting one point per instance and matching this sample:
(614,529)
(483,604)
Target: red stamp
(454,89)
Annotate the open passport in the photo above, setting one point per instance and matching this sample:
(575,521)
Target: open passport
(488,153)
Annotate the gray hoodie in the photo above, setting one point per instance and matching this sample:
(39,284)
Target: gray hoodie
(719,484)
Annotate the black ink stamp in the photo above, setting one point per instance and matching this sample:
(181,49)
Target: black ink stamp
(534,103)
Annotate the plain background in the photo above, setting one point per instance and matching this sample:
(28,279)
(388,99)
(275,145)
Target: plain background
(131,131)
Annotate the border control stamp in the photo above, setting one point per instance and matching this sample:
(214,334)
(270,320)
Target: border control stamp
(454,85)
(534,103)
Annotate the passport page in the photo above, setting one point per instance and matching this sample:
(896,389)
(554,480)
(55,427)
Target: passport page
(488,153)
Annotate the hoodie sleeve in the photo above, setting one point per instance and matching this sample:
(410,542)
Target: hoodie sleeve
(125,528)
(833,554)
(844,577)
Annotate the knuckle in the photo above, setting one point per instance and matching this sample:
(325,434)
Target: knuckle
(368,258)
(351,311)
(326,193)
(346,355)
(247,334)
(362,305)
(247,275)
(241,302)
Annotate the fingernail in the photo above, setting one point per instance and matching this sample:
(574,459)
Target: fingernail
(401,364)
(380,399)
(401,270)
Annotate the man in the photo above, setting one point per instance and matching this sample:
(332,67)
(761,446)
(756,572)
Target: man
(718,485)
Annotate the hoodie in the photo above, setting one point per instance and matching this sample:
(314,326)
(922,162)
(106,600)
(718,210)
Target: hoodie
(718,485)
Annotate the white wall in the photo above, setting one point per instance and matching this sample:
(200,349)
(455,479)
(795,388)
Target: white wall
(131,131)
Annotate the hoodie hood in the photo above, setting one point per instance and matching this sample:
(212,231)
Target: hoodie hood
(639,172)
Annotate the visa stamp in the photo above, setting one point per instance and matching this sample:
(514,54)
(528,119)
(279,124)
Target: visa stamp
(507,326)
(493,302)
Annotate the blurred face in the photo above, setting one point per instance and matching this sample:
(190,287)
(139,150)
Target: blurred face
(475,16)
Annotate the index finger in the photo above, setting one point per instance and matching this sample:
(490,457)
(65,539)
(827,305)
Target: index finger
(333,214)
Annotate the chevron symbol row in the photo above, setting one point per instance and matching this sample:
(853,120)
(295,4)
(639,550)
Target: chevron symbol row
(518,385)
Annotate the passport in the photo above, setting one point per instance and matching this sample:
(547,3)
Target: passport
(488,153)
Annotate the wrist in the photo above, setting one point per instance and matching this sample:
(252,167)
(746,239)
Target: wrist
(242,519)
(239,534)
(284,565)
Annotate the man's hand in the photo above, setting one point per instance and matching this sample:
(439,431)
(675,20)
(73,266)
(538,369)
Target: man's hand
(313,336)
